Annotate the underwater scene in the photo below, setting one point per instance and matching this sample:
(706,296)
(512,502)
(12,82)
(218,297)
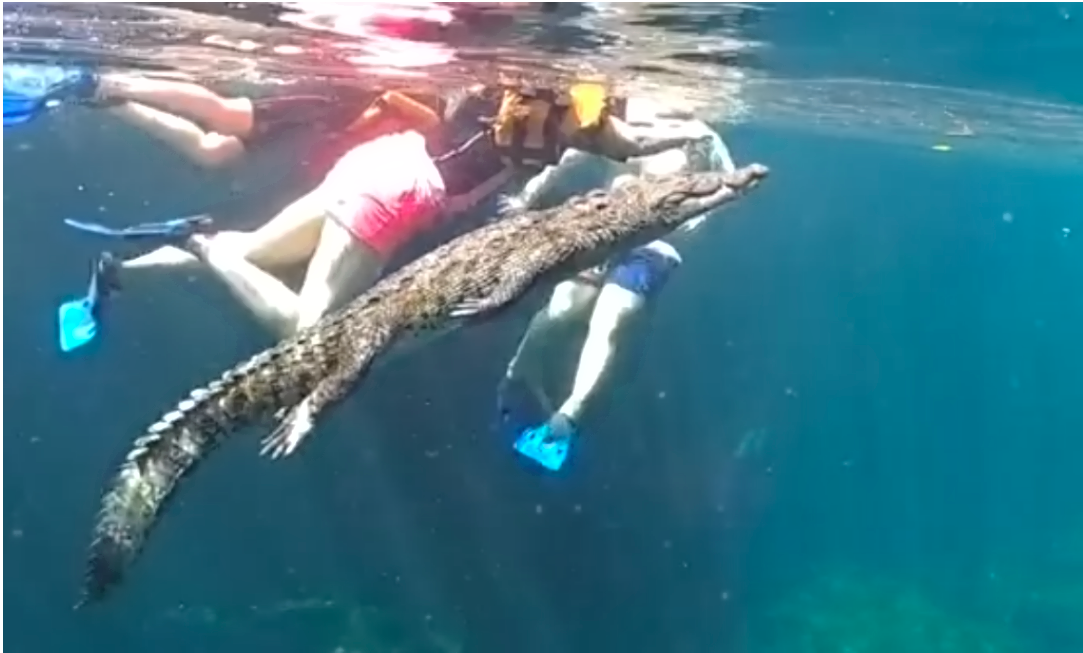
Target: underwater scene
(435,327)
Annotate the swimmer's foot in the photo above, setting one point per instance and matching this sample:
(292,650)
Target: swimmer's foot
(166,256)
(94,91)
(79,85)
(199,246)
(221,245)
(518,406)
(107,275)
(549,443)
(84,86)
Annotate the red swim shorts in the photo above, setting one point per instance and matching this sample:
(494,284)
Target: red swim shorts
(386,191)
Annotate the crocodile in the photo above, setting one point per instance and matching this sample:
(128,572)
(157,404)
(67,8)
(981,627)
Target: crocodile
(469,279)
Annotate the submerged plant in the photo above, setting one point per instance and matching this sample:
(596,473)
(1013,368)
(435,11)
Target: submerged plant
(851,612)
(368,630)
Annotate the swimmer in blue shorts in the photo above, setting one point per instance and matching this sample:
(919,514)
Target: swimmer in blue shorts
(610,299)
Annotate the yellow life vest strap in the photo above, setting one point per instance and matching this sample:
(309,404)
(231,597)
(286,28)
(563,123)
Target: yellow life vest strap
(533,126)
(588,108)
(526,130)
(616,106)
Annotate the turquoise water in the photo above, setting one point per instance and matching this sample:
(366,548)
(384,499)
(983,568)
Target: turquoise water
(851,424)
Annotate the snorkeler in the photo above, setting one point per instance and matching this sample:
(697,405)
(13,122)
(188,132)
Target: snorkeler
(212,130)
(204,126)
(618,292)
(383,193)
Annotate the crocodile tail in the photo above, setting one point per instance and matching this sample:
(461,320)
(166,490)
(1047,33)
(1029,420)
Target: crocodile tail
(171,448)
(167,451)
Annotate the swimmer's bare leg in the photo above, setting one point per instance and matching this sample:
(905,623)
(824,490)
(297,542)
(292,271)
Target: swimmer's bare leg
(541,183)
(239,259)
(341,268)
(616,307)
(548,443)
(301,232)
(287,239)
(570,301)
(227,116)
(272,302)
(613,312)
(205,149)
(167,256)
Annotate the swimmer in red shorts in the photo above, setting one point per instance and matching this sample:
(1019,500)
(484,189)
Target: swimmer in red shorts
(385,192)
(376,198)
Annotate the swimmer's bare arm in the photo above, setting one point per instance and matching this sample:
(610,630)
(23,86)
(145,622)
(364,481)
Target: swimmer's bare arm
(615,140)
(620,141)
(393,104)
(542,183)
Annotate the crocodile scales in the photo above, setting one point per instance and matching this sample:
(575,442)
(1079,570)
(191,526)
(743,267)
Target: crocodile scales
(470,278)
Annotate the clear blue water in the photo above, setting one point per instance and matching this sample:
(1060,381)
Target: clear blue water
(896,329)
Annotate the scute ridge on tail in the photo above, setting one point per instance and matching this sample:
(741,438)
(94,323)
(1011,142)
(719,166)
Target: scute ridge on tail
(157,461)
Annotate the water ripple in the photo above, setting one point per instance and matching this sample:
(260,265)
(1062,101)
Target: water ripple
(701,57)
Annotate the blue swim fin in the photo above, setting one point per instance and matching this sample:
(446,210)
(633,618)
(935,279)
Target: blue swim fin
(19,109)
(549,443)
(31,88)
(78,318)
(178,228)
(78,326)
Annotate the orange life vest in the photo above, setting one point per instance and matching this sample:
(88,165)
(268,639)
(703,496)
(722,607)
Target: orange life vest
(532,126)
